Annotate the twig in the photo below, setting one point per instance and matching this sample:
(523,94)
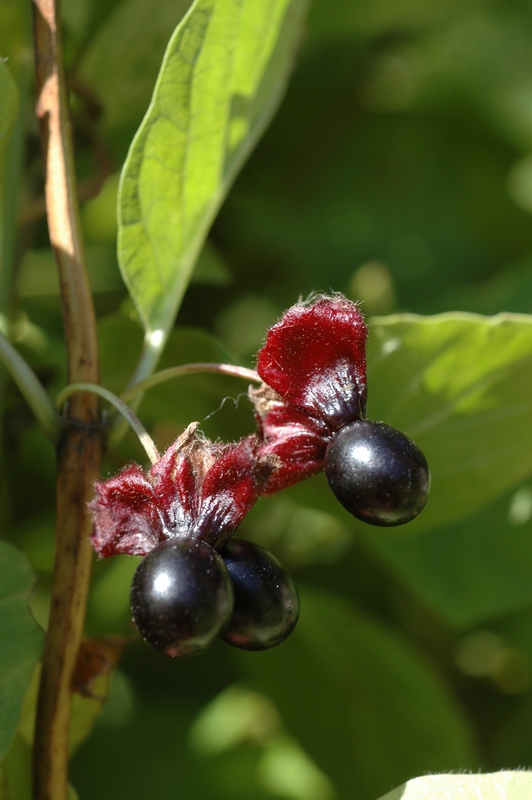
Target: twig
(132,419)
(80,447)
(30,388)
(188,369)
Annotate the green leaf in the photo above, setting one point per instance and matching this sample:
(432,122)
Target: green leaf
(20,640)
(494,786)
(220,81)
(475,570)
(460,385)
(360,701)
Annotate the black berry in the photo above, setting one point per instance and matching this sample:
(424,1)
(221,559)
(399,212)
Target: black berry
(181,597)
(377,473)
(266,600)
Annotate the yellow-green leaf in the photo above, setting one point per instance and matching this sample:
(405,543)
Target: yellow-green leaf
(494,786)
(221,79)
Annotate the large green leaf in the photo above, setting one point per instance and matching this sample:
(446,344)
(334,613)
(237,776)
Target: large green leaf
(494,786)
(476,570)
(20,640)
(362,703)
(221,79)
(461,386)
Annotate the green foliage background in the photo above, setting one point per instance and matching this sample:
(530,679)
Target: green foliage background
(398,170)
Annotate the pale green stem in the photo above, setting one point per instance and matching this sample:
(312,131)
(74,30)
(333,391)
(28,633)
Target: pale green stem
(133,395)
(188,369)
(151,352)
(31,389)
(143,435)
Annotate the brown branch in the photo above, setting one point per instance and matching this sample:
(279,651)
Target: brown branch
(79,451)
(35,209)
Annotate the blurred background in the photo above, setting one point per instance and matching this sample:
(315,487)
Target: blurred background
(398,170)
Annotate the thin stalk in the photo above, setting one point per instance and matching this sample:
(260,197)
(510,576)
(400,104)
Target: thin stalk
(143,435)
(188,369)
(31,389)
(134,393)
(80,447)
(152,348)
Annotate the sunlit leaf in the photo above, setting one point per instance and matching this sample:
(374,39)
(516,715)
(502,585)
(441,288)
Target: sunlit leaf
(461,386)
(221,79)
(494,786)
(474,570)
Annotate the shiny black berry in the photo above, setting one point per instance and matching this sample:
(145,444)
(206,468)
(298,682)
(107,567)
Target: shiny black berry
(377,473)
(181,597)
(266,600)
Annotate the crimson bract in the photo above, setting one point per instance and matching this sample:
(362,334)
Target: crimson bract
(199,489)
(192,586)
(313,365)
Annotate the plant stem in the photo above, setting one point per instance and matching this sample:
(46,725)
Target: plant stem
(152,348)
(134,422)
(188,369)
(80,447)
(30,388)
(134,393)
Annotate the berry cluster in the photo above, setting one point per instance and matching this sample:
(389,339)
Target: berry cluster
(185,595)
(311,413)
(195,584)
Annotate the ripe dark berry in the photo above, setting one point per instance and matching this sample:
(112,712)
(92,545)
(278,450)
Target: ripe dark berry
(266,600)
(181,597)
(377,473)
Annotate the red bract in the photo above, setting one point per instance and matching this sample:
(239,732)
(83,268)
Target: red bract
(314,359)
(293,441)
(198,489)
